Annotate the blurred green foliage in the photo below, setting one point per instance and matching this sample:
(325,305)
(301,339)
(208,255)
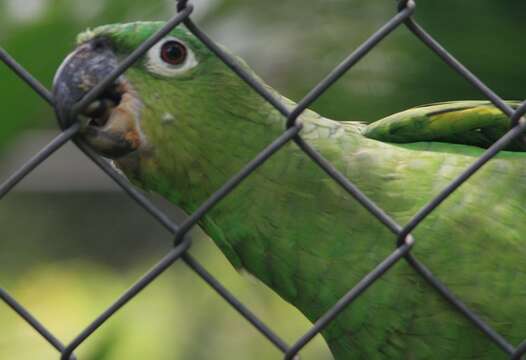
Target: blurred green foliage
(295,45)
(68,256)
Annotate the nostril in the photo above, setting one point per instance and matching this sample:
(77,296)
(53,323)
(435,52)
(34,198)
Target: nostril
(99,44)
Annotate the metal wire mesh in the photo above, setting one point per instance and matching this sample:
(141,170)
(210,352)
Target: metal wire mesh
(291,134)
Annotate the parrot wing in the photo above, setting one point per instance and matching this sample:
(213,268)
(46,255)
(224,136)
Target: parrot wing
(477,123)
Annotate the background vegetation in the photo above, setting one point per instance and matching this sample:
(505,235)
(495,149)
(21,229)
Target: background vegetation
(69,246)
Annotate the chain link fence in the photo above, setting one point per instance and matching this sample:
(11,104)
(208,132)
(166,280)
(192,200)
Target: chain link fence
(179,252)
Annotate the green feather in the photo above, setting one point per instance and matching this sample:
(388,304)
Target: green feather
(300,233)
(477,123)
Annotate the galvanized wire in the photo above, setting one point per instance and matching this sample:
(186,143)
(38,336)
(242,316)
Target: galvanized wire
(182,242)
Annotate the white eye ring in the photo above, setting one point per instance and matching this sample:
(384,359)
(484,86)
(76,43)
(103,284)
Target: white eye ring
(155,64)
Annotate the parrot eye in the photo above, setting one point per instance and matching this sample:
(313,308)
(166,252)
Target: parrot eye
(173,52)
(170,57)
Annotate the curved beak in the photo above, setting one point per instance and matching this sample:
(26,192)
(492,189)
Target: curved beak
(110,124)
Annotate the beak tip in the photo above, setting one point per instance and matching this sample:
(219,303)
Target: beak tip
(63,104)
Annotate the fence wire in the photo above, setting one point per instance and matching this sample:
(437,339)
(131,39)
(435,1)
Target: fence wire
(179,252)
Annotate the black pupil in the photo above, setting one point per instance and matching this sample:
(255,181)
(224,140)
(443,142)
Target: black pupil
(173,53)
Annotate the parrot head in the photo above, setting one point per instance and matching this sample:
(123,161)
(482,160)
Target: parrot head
(112,123)
(171,116)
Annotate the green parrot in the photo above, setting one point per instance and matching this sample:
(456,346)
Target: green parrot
(180,123)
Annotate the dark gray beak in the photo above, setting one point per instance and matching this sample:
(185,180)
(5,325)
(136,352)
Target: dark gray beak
(108,131)
(84,68)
